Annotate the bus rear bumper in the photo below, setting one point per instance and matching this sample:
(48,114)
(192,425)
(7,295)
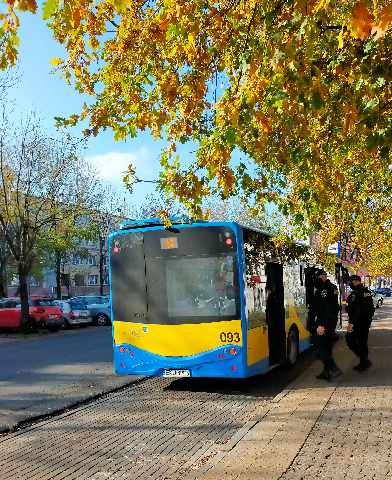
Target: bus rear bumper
(226,362)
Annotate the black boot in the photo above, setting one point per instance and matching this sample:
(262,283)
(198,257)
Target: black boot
(363,365)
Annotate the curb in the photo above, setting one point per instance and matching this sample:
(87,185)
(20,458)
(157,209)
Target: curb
(46,418)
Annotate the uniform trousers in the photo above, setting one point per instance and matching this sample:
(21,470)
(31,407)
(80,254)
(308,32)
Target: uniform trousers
(357,340)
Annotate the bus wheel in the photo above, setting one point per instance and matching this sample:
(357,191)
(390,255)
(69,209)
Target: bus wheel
(292,347)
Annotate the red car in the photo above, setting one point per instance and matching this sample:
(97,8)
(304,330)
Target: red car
(9,314)
(46,313)
(43,312)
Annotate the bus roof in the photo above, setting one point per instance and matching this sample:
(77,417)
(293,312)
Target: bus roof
(154,222)
(181,220)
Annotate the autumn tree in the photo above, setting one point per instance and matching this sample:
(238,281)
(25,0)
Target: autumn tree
(41,184)
(301,89)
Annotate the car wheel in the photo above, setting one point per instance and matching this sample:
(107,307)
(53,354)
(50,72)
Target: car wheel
(53,329)
(292,347)
(101,320)
(30,325)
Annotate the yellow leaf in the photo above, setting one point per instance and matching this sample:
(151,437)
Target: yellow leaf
(340,38)
(56,61)
(320,5)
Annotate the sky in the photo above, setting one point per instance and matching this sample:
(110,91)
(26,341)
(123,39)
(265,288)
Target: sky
(49,95)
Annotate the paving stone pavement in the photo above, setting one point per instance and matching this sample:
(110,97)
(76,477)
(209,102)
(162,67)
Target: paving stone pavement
(328,431)
(352,438)
(147,431)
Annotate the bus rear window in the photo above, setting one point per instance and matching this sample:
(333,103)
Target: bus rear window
(185,276)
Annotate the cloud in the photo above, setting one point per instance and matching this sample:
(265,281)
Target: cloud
(111,166)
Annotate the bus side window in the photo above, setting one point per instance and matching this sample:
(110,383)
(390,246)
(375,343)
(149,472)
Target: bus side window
(255,290)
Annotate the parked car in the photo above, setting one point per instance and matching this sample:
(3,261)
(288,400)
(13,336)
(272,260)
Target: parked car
(100,314)
(92,299)
(10,316)
(43,313)
(46,313)
(385,291)
(98,306)
(74,313)
(378,299)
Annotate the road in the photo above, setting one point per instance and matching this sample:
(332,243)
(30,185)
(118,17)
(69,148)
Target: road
(155,428)
(48,372)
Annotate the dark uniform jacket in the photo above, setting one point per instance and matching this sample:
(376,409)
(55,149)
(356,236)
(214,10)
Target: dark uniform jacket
(326,305)
(360,306)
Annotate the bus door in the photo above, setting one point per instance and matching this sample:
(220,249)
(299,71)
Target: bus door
(275,313)
(310,275)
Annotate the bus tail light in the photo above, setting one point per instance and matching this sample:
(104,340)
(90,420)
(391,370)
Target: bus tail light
(234,368)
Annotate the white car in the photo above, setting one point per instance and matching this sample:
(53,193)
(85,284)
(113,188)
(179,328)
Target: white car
(74,313)
(378,299)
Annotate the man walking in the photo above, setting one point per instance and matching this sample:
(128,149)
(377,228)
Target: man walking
(326,308)
(360,311)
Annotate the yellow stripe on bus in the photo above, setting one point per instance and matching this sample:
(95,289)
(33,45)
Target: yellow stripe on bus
(295,317)
(178,340)
(257,345)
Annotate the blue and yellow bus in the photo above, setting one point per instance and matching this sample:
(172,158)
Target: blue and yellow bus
(203,299)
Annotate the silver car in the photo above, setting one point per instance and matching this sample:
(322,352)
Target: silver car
(74,313)
(100,314)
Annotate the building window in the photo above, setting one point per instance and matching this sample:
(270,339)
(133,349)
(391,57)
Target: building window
(79,280)
(93,279)
(92,260)
(76,260)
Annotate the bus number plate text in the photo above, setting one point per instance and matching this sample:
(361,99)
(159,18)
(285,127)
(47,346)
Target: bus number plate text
(230,337)
(176,373)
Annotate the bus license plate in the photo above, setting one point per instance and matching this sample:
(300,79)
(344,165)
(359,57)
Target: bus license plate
(176,373)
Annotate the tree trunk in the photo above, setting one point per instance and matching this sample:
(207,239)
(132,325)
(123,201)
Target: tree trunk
(58,275)
(101,253)
(3,281)
(24,297)
(3,270)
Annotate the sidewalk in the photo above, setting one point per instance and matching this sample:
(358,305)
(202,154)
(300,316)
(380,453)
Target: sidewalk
(43,374)
(319,430)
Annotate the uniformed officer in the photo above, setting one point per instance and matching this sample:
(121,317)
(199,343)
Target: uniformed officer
(326,308)
(360,311)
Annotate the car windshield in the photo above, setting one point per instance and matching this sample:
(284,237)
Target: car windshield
(43,303)
(77,305)
(7,304)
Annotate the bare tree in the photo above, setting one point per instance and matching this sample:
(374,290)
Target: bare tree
(154,205)
(41,185)
(237,210)
(110,210)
